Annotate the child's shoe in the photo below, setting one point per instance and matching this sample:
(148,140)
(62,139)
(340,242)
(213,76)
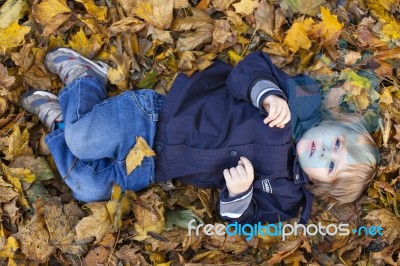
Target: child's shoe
(70,65)
(43,104)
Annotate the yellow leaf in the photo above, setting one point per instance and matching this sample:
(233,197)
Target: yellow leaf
(392,29)
(246,7)
(386,96)
(234,57)
(97,225)
(10,248)
(119,76)
(156,12)
(126,24)
(329,28)
(18,144)
(47,9)
(11,11)
(297,36)
(56,41)
(87,47)
(99,12)
(13,36)
(137,154)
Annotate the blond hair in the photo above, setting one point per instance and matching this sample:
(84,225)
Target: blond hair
(349,183)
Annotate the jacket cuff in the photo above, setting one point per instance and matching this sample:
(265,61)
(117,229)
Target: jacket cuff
(261,87)
(234,207)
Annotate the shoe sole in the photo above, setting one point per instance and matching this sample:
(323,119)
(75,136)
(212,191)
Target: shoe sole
(91,62)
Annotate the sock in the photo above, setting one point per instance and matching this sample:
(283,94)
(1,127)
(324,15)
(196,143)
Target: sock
(59,125)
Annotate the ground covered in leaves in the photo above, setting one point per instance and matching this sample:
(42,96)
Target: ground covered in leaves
(351,47)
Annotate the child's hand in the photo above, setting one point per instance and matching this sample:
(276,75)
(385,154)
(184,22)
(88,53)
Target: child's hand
(278,111)
(239,179)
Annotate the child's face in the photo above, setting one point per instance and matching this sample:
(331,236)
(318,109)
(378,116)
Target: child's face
(322,153)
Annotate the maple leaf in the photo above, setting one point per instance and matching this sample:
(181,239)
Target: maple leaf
(297,37)
(87,47)
(137,154)
(388,221)
(329,28)
(12,36)
(97,225)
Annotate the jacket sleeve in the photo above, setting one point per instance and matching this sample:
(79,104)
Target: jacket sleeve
(253,68)
(256,205)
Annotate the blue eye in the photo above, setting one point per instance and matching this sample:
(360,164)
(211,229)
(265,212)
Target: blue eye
(337,143)
(331,166)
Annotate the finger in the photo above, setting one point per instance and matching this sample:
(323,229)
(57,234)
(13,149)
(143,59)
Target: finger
(241,170)
(285,120)
(234,173)
(247,165)
(279,118)
(271,113)
(227,175)
(277,114)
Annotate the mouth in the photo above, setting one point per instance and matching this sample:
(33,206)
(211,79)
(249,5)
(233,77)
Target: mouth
(312,148)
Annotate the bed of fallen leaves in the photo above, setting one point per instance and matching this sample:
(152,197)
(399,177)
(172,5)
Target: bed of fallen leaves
(351,47)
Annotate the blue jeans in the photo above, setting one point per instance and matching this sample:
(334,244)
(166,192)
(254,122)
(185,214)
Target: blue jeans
(90,151)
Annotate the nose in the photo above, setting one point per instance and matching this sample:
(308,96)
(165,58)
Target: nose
(324,153)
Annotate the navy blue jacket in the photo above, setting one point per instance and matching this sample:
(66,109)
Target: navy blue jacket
(207,122)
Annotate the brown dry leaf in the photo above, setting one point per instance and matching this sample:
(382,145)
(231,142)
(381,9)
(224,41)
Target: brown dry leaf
(137,154)
(162,35)
(203,25)
(223,37)
(285,249)
(34,239)
(181,4)
(51,14)
(222,5)
(55,23)
(132,255)
(149,212)
(246,7)
(97,225)
(11,11)
(386,96)
(97,256)
(12,36)
(351,58)
(126,24)
(265,17)
(388,221)
(60,226)
(306,7)
(297,36)
(99,12)
(5,80)
(36,78)
(87,47)
(7,192)
(329,29)
(156,12)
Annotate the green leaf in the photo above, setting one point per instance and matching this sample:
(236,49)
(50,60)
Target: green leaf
(149,79)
